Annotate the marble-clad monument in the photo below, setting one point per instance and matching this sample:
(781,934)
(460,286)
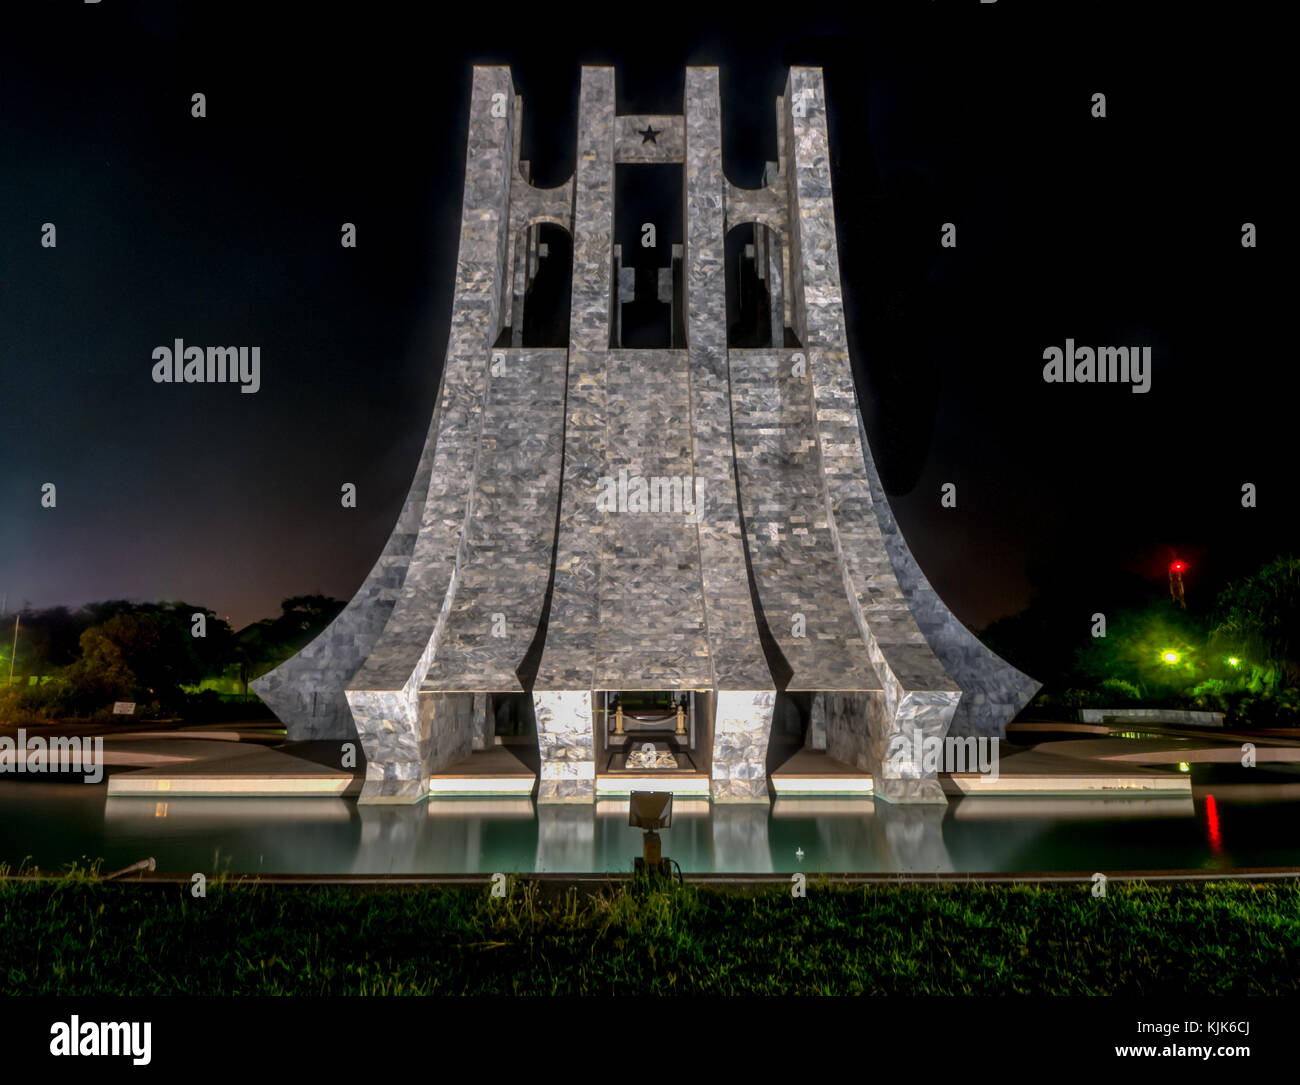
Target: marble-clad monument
(595,525)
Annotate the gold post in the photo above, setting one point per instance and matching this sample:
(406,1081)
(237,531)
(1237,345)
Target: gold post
(618,720)
(681,720)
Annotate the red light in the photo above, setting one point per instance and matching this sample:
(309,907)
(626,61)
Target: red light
(1212,823)
(1177,567)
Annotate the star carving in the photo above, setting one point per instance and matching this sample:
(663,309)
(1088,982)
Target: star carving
(648,134)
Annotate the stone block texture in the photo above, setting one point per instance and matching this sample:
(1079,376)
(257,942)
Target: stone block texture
(509,572)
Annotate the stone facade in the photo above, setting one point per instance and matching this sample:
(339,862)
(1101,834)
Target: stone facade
(742,727)
(505,558)
(566,742)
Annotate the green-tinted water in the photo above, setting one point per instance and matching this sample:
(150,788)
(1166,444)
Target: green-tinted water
(54,824)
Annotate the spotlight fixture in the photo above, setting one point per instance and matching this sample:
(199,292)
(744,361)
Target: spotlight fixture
(651,810)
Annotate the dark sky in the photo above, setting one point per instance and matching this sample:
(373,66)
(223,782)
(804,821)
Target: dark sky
(225,230)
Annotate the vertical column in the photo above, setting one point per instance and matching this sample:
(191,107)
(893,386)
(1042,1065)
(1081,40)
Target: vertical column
(519,292)
(919,696)
(404,745)
(566,742)
(484,731)
(741,678)
(562,689)
(593,214)
(775,285)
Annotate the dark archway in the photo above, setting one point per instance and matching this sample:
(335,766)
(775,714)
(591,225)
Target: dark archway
(755,298)
(545,321)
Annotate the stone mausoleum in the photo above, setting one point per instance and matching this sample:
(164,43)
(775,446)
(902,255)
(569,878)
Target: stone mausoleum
(652,546)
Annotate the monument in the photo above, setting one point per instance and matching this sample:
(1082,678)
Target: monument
(606,541)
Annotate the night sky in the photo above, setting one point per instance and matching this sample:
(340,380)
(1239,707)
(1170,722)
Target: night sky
(225,231)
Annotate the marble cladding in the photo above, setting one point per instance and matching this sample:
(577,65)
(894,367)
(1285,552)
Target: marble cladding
(667,145)
(816,736)
(383,692)
(796,570)
(569,654)
(737,658)
(917,691)
(644,600)
(529,207)
(741,728)
(483,730)
(860,728)
(768,253)
(308,691)
(566,742)
(767,205)
(508,543)
(591,308)
(652,626)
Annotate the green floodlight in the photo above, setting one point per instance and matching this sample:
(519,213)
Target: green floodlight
(1170,656)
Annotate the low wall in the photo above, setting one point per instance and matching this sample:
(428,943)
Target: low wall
(1151,715)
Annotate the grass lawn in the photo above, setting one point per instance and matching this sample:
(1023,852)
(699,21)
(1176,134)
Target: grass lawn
(80,936)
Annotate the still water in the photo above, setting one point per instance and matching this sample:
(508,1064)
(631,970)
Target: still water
(1226,825)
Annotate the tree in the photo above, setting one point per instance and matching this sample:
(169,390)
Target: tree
(147,654)
(1257,619)
(1158,649)
(102,673)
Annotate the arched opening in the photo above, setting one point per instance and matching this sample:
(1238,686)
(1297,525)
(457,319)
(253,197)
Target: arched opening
(541,288)
(648,228)
(755,290)
(549,282)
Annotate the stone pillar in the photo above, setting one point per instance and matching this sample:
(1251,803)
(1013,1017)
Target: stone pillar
(816,738)
(593,214)
(918,693)
(745,693)
(741,732)
(566,743)
(562,691)
(484,730)
(401,750)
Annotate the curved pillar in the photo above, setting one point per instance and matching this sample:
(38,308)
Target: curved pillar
(744,690)
(404,745)
(918,694)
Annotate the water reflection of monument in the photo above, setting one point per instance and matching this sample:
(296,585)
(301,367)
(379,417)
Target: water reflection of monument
(486,836)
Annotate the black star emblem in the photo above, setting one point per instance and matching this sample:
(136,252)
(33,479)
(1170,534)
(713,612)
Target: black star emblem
(648,134)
